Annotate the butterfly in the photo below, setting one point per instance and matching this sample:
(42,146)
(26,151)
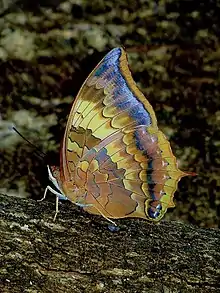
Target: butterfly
(114,161)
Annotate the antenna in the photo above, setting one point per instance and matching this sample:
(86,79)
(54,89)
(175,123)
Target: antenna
(37,150)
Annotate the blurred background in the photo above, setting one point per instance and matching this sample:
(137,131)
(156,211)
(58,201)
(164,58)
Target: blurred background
(47,49)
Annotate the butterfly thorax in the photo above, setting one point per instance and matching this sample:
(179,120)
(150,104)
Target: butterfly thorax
(67,188)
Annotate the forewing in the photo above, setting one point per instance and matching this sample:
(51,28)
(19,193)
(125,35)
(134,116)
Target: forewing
(108,102)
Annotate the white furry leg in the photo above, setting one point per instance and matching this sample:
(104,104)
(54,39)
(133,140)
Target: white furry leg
(58,195)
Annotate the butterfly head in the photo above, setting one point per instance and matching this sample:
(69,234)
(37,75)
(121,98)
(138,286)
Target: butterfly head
(54,177)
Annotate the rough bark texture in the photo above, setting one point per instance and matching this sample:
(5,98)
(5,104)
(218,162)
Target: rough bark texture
(78,253)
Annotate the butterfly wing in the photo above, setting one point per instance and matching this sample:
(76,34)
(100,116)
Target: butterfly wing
(131,173)
(108,100)
(113,149)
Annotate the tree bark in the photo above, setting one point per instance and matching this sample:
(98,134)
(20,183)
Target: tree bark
(78,253)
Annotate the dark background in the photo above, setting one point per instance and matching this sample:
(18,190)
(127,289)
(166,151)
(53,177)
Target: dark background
(48,48)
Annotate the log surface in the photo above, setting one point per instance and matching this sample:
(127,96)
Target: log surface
(78,253)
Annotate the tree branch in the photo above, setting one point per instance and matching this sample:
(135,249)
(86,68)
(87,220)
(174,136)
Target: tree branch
(78,253)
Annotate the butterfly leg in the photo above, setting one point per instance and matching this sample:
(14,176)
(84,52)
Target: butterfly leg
(81,205)
(45,192)
(89,205)
(106,217)
(57,208)
(109,220)
(58,196)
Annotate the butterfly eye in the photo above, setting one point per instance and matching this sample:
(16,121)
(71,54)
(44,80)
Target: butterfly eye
(55,171)
(154,209)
